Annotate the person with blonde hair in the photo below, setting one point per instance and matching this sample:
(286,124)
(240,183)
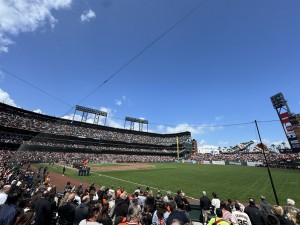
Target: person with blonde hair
(290,210)
(121,205)
(278,212)
(150,201)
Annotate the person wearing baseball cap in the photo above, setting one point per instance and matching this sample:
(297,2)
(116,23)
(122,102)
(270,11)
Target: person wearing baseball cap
(265,206)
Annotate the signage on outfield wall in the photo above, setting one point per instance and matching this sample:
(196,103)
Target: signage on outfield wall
(206,162)
(236,163)
(218,162)
(254,163)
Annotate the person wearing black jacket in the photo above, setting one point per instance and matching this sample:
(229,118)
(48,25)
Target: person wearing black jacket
(205,204)
(43,210)
(178,214)
(122,204)
(81,211)
(178,200)
(255,214)
(66,211)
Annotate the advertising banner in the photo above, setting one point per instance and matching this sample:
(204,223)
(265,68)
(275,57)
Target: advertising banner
(236,163)
(218,162)
(254,163)
(291,125)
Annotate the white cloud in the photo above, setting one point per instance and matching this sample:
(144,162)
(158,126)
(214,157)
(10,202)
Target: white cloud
(181,128)
(26,16)
(38,111)
(122,101)
(118,102)
(87,16)
(218,118)
(5,98)
(4,42)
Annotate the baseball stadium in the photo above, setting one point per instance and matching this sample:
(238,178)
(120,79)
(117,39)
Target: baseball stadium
(40,151)
(141,112)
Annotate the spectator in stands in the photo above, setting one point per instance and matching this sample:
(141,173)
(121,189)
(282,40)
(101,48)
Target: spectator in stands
(122,205)
(103,217)
(178,200)
(100,194)
(255,214)
(43,210)
(146,216)
(160,215)
(93,214)
(66,212)
(8,212)
(265,206)
(218,219)
(290,210)
(133,216)
(297,218)
(142,199)
(272,220)
(24,207)
(242,207)
(81,211)
(177,214)
(168,197)
(239,217)
(278,212)
(26,218)
(150,201)
(205,204)
(4,193)
(187,206)
(68,187)
(215,201)
(230,205)
(79,189)
(225,212)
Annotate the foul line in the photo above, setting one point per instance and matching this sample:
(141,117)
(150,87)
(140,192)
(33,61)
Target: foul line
(138,184)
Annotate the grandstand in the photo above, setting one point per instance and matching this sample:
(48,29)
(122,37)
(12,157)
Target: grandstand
(29,131)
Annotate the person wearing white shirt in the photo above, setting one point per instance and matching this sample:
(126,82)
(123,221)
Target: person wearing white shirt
(239,217)
(3,194)
(215,201)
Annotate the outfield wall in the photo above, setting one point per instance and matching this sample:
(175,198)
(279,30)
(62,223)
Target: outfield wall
(223,163)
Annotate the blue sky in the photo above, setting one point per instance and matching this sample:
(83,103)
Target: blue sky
(218,66)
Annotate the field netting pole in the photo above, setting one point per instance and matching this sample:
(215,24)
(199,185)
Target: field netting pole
(269,172)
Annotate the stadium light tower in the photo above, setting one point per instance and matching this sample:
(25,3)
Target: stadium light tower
(289,122)
(135,120)
(85,111)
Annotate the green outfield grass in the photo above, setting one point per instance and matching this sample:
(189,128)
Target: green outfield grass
(227,181)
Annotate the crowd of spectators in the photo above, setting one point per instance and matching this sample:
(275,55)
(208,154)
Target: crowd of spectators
(27,196)
(69,159)
(245,157)
(235,213)
(22,119)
